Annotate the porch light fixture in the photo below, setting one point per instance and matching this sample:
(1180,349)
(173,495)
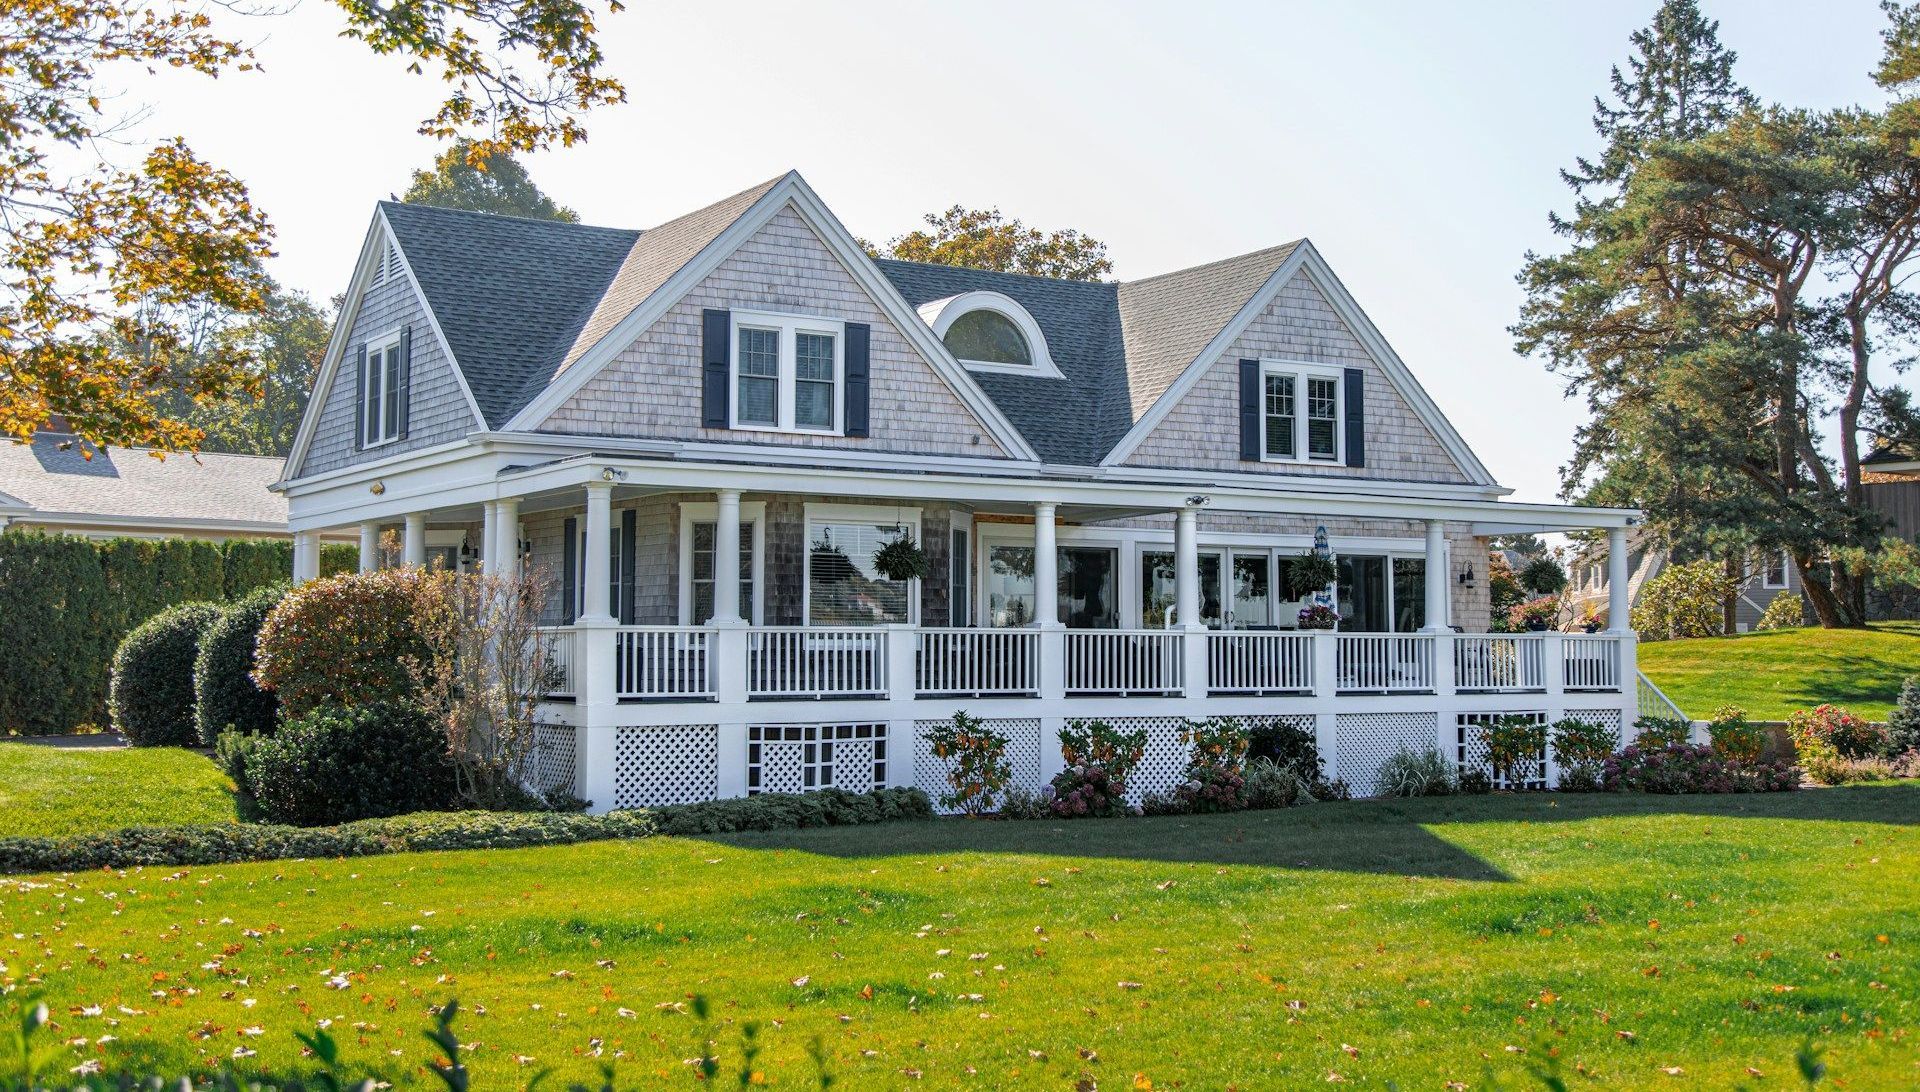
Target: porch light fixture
(612,475)
(1466,575)
(377,488)
(1199,500)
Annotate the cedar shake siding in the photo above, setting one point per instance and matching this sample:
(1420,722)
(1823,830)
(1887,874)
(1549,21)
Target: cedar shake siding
(1202,430)
(653,388)
(438,410)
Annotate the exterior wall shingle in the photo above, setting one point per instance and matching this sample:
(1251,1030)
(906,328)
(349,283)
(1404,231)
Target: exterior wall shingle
(653,388)
(1203,430)
(439,411)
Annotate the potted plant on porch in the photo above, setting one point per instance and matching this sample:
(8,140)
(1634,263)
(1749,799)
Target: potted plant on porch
(1318,616)
(1535,615)
(1310,574)
(902,559)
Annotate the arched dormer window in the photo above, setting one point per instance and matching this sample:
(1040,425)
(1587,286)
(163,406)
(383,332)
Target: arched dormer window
(991,332)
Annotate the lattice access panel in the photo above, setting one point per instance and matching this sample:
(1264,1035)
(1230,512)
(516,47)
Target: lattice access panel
(805,757)
(1023,754)
(553,757)
(1606,718)
(1365,740)
(1472,754)
(679,764)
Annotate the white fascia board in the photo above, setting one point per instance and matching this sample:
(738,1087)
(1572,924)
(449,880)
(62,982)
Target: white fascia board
(336,345)
(793,190)
(1305,257)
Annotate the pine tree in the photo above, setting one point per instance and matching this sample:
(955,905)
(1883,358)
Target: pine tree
(462,178)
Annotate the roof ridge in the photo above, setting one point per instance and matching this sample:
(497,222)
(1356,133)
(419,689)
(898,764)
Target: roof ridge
(542,220)
(107,449)
(1289,246)
(1000,273)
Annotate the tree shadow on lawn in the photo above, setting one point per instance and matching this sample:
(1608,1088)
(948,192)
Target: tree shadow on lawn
(1380,837)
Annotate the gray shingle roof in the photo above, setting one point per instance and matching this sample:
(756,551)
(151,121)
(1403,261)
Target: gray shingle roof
(521,300)
(51,474)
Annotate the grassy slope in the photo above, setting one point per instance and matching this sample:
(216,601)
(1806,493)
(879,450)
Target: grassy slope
(56,791)
(1434,937)
(1776,672)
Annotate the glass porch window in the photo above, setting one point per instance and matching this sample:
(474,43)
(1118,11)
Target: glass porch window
(843,587)
(1158,589)
(1252,590)
(1089,587)
(702,575)
(1363,593)
(1009,581)
(1409,594)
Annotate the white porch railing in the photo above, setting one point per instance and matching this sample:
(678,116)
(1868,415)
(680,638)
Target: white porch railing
(562,655)
(652,662)
(1591,663)
(1499,662)
(1123,661)
(816,662)
(1259,663)
(976,661)
(1371,662)
(1653,700)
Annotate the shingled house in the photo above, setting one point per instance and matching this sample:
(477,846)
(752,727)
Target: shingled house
(702,434)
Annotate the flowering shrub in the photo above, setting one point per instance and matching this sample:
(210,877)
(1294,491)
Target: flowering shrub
(1681,767)
(346,640)
(1515,744)
(1661,731)
(1834,727)
(1735,738)
(1540,613)
(1099,758)
(1215,779)
(1318,616)
(1684,601)
(1785,612)
(976,758)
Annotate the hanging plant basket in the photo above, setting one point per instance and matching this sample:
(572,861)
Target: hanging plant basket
(1310,573)
(902,559)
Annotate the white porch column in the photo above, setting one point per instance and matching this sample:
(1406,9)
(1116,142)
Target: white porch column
(726,558)
(369,547)
(593,567)
(306,556)
(1186,569)
(1046,566)
(489,534)
(415,554)
(1437,582)
(1619,601)
(505,543)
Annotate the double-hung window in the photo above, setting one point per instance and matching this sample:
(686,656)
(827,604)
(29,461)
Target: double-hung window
(1775,575)
(1301,413)
(788,372)
(381,392)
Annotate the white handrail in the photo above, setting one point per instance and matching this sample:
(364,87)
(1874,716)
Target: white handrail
(976,661)
(1123,661)
(1653,701)
(1239,662)
(561,679)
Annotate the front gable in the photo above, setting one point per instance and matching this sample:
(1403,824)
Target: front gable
(652,387)
(1199,427)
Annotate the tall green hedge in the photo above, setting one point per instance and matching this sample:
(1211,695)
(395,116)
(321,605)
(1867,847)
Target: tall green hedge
(65,604)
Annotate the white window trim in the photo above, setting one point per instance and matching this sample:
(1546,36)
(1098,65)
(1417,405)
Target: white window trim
(788,326)
(752,514)
(960,522)
(1786,572)
(942,314)
(876,514)
(379,345)
(1301,371)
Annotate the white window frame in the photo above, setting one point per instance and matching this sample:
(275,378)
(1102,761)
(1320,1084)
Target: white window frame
(389,431)
(855,513)
(1786,572)
(940,315)
(1301,371)
(788,326)
(752,514)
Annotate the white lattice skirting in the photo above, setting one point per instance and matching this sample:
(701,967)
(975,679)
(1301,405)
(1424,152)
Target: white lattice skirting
(1472,752)
(805,757)
(1023,754)
(1606,718)
(1364,740)
(553,757)
(675,765)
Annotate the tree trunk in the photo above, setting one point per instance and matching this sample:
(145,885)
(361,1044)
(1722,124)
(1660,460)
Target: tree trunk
(1825,610)
(1730,606)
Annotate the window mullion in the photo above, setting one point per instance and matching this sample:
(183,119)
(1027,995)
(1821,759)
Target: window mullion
(789,367)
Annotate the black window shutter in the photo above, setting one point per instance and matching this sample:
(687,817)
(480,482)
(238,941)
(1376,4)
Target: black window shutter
(1356,417)
(716,330)
(569,567)
(859,369)
(629,522)
(359,397)
(1250,440)
(406,379)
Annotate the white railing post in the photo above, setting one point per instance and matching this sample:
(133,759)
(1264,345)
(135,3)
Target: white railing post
(1052,645)
(1193,662)
(727,661)
(1443,680)
(1553,666)
(1627,653)
(901,655)
(1326,663)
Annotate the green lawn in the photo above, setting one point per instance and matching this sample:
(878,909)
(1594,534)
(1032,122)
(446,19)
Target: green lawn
(57,791)
(1776,672)
(1455,939)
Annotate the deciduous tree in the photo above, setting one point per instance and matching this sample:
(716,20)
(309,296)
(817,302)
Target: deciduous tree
(498,183)
(986,239)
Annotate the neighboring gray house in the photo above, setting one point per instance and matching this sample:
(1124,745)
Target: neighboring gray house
(1108,482)
(1763,578)
(58,482)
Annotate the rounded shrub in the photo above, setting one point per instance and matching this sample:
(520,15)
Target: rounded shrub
(151,694)
(333,765)
(225,697)
(345,640)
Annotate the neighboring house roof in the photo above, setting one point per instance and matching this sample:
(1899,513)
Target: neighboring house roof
(51,480)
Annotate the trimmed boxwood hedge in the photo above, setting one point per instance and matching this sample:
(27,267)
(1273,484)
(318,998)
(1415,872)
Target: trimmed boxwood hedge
(425,831)
(66,603)
(335,765)
(224,694)
(151,699)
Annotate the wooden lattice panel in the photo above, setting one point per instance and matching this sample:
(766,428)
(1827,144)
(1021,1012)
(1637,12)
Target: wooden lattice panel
(805,757)
(1606,718)
(1365,740)
(1472,752)
(553,757)
(678,764)
(1023,754)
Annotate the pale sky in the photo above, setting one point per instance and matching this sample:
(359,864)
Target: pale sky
(1417,145)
